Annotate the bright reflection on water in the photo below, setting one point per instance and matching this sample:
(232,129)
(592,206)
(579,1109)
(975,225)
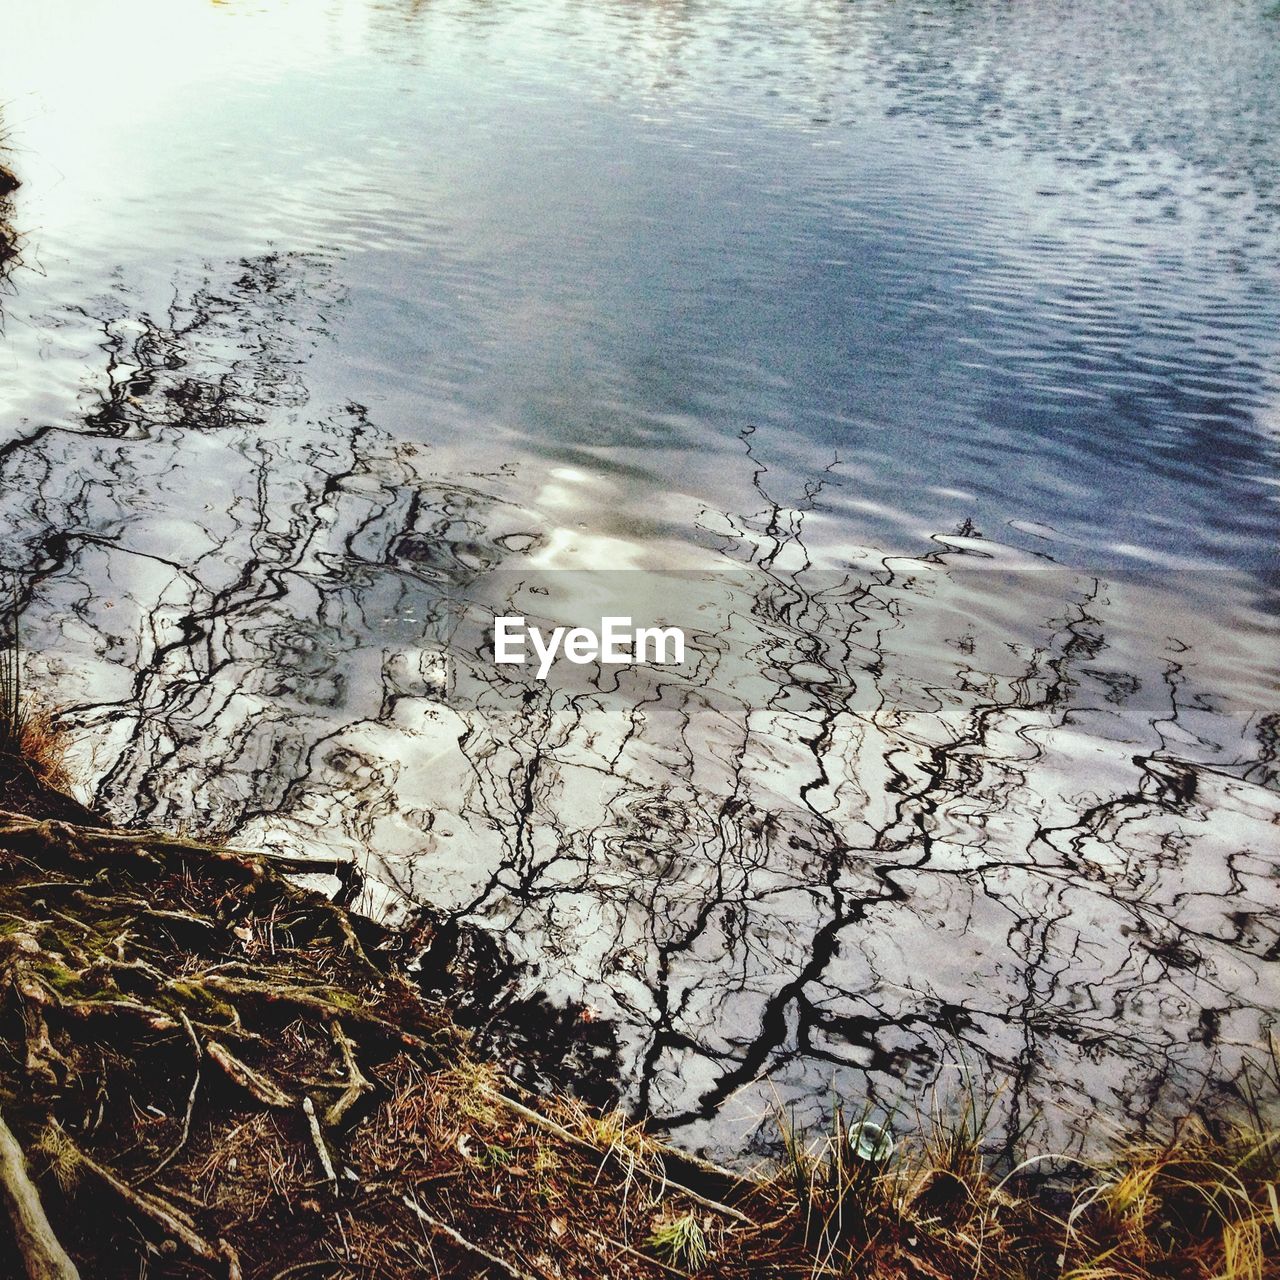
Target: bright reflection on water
(932,344)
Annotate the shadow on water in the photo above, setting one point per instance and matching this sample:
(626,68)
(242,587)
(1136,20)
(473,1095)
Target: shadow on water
(960,805)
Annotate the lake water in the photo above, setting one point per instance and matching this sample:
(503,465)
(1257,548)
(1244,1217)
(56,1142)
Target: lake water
(919,358)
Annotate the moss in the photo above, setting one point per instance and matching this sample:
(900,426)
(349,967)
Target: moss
(64,981)
(196,1001)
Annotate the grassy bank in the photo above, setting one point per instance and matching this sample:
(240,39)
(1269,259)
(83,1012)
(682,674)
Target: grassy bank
(212,1072)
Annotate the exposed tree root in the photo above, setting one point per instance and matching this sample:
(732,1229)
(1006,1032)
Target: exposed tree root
(43,1257)
(467,1246)
(175,1224)
(358,1084)
(324,1004)
(252,1082)
(137,963)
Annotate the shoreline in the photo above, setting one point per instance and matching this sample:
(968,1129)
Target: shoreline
(371,1118)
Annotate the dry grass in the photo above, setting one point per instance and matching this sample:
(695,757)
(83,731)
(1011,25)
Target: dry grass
(42,743)
(1202,1205)
(29,732)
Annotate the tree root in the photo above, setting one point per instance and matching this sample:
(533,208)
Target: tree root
(253,1082)
(42,1255)
(155,1019)
(463,1243)
(357,1083)
(171,1220)
(41,1057)
(149,943)
(310,1002)
(352,944)
(80,843)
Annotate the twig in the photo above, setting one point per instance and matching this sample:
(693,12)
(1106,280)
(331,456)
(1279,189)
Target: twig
(191,1097)
(463,1243)
(317,1137)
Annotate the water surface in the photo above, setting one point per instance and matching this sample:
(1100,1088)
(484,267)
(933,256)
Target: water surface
(921,356)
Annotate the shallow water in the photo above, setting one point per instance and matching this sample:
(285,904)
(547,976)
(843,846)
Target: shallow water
(918,358)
